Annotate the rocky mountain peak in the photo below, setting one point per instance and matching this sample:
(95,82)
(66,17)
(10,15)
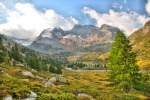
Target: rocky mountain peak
(77,26)
(83,27)
(52,33)
(57,29)
(105,26)
(147,23)
(146,28)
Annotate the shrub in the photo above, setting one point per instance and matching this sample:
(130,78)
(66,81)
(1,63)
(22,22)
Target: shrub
(129,97)
(64,96)
(15,87)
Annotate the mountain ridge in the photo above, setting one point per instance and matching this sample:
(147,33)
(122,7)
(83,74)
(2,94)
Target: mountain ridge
(76,39)
(140,40)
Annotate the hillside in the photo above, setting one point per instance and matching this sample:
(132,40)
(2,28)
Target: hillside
(12,53)
(25,83)
(140,40)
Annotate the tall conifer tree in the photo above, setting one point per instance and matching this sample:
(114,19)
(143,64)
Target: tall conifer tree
(123,70)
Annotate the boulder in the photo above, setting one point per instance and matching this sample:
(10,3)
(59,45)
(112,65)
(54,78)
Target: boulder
(41,79)
(53,79)
(57,79)
(9,97)
(49,84)
(84,96)
(33,94)
(27,73)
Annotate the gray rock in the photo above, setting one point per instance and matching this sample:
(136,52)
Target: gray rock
(27,73)
(49,84)
(42,79)
(57,79)
(33,94)
(84,95)
(53,79)
(9,97)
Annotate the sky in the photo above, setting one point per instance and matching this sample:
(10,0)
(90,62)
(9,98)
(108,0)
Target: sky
(25,19)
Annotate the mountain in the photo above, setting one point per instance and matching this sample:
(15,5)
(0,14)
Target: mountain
(48,40)
(80,38)
(140,40)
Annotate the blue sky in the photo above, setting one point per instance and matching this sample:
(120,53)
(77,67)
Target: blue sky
(74,8)
(27,18)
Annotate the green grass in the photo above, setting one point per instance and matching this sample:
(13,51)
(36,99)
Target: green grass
(92,83)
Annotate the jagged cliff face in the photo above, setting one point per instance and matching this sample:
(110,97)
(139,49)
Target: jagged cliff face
(77,38)
(140,40)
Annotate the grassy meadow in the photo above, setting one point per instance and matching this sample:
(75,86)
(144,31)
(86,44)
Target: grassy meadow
(93,83)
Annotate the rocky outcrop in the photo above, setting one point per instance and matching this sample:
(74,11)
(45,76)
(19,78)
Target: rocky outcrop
(49,84)
(57,79)
(85,96)
(32,96)
(27,73)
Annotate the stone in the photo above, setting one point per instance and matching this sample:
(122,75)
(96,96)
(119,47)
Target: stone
(57,79)
(27,73)
(9,97)
(41,79)
(84,95)
(53,79)
(49,84)
(33,94)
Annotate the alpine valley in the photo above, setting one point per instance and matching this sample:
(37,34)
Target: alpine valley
(86,44)
(69,65)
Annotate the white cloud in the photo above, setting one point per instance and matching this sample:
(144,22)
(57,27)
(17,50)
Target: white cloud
(2,5)
(27,22)
(128,22)
(147,6)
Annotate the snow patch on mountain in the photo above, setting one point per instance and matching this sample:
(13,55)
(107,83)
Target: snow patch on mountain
(47,33)
(70,36)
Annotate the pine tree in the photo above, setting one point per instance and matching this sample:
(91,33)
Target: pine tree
(33,62)
(58,70)
(15,54)
(123,70)
(52,69)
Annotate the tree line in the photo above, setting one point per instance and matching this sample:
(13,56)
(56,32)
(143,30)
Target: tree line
(30,59)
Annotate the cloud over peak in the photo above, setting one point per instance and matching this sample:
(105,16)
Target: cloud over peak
(27,22)
(128,22)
